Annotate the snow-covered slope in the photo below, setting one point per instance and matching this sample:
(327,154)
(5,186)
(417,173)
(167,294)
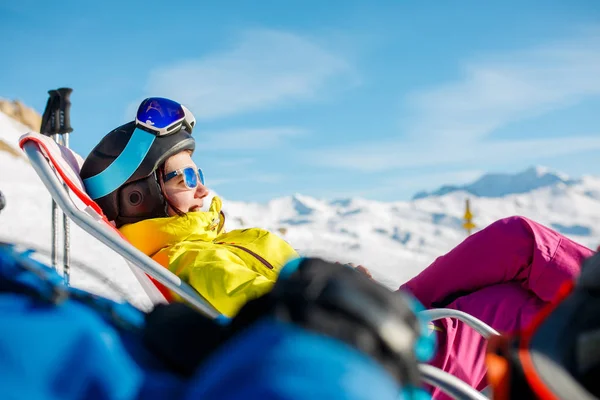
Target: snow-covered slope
(398,239)
(395,240)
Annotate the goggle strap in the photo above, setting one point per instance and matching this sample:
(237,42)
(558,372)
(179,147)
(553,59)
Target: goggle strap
(122,167)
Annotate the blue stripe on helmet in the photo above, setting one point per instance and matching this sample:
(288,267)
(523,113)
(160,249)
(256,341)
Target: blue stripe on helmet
(122,167)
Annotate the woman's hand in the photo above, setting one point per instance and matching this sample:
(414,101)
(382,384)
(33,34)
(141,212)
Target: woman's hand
(364,270)
(360,268)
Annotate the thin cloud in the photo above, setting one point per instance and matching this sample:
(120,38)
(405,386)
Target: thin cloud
(218,182)
(234,162)
(395,154)
(433,180)
(259,177)
(507,88)
(452,123)
(249,138)
(269,178)
(266,68)
(405,183)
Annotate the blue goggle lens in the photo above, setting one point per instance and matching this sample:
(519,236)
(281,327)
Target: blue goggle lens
(159,112)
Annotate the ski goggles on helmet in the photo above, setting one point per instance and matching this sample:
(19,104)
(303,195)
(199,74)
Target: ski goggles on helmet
(190,176)
(163,116)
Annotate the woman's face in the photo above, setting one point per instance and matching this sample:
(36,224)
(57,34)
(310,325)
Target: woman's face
(177,192)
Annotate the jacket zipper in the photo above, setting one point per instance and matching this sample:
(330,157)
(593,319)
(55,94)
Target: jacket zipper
(259,258)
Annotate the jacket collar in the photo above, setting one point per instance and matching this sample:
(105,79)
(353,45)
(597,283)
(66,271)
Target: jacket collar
(151,235)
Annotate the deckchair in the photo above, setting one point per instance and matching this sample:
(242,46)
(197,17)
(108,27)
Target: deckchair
(58,167)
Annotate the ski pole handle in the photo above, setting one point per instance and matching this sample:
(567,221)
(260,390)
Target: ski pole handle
(49,126)
(65,110)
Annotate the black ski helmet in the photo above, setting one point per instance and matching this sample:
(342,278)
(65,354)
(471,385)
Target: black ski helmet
(136,195)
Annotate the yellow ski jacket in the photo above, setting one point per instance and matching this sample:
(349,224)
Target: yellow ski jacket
(227,269)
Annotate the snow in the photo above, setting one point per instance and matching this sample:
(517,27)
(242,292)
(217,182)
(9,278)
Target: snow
(395,240)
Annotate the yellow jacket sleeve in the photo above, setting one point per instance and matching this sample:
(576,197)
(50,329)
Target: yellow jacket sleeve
(221,277)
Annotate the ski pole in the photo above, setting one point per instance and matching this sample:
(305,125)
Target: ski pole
(50,128)
(65,129)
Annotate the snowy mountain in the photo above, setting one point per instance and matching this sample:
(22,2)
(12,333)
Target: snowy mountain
(395,240)
(498,185)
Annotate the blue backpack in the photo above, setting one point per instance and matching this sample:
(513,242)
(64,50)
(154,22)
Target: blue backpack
(58,342)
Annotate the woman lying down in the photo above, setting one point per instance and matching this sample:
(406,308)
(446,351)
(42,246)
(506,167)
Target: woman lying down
(143,177)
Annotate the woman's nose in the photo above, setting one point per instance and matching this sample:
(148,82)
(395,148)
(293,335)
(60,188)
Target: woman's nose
(201,191)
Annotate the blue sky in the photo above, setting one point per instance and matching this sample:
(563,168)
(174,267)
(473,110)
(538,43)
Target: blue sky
(330,99)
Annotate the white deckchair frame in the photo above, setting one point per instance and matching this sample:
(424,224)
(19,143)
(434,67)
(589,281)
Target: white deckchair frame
(140,264)
(450,384)
(479,326)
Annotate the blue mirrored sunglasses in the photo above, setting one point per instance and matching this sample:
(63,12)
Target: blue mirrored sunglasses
(190,176)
